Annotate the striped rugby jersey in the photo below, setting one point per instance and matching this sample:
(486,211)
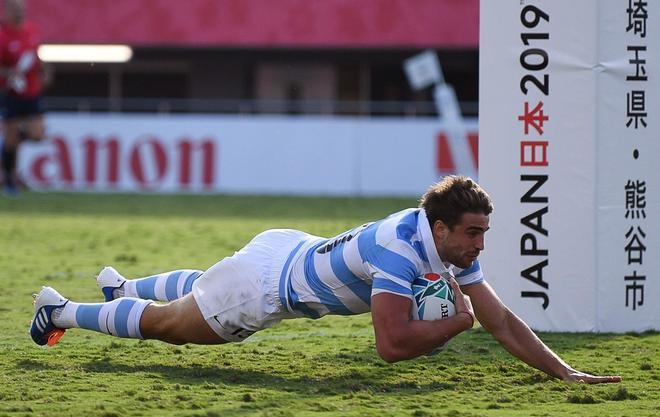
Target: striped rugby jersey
(339,275)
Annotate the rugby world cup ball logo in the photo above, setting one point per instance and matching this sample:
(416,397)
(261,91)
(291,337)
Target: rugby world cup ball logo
(433,298)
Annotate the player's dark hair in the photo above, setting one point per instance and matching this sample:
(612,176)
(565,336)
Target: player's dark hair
(454,195)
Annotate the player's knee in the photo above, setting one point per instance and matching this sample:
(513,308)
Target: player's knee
(170,333)
(36,136)
(11,139)
(162,323)
(35,133)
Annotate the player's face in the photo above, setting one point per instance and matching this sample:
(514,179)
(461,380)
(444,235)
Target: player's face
(462,245)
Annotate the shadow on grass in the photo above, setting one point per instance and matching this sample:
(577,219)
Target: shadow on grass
(351,381)
(479,340)
(467,362)
(463,364)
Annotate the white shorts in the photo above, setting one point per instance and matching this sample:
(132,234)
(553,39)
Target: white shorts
(240,294)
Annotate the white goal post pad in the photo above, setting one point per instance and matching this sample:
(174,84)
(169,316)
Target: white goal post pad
(569,143)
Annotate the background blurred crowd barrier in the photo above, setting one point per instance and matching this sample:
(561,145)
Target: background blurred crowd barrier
(311,155)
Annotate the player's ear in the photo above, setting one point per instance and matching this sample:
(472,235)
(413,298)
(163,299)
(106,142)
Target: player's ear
(440,229)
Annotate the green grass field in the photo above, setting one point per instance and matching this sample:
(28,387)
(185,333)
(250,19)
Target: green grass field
(299,368)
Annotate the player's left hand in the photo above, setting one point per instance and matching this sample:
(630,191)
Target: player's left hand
(461,301)
(17,82)
(584,378)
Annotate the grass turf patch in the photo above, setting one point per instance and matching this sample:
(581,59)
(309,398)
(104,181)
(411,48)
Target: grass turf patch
(327,367)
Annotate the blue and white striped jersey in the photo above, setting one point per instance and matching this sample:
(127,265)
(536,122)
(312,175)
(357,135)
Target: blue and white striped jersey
(339,275)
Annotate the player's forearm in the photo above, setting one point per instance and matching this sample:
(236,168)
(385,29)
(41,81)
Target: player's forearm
(523,343)
(418,337)
(26,62)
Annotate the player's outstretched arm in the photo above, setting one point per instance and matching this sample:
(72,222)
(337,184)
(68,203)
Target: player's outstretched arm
(398,337)
(520,340)
(584,378)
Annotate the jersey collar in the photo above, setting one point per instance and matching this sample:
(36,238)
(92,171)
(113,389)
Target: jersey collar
(424,230)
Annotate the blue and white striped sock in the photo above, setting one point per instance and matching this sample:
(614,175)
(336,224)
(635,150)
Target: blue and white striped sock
(120,317)
(167,286)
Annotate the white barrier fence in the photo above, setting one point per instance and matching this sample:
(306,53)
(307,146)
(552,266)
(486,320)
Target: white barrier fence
(233,154)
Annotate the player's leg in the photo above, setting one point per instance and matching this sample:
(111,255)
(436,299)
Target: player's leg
(9,154)
(6,156)
(178,322)
(55,313)
(23,120)
(230,301)
(22,117)
(166,286)
(33,127)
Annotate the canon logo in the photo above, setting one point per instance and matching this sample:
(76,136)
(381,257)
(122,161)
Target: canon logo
(144,162)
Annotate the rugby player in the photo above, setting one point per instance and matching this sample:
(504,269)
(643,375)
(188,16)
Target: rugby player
(284,274)
(21,75)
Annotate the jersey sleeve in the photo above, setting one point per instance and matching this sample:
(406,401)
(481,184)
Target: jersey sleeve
(392,270)
(470,275)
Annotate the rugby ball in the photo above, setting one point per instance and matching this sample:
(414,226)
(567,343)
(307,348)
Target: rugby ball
(433,298)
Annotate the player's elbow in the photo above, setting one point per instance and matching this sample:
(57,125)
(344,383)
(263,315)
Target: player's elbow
(389,356)
(390,352)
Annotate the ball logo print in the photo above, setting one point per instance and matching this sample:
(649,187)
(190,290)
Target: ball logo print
(433,298)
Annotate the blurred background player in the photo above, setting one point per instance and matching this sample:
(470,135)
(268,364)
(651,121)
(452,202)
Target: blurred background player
(21,76)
